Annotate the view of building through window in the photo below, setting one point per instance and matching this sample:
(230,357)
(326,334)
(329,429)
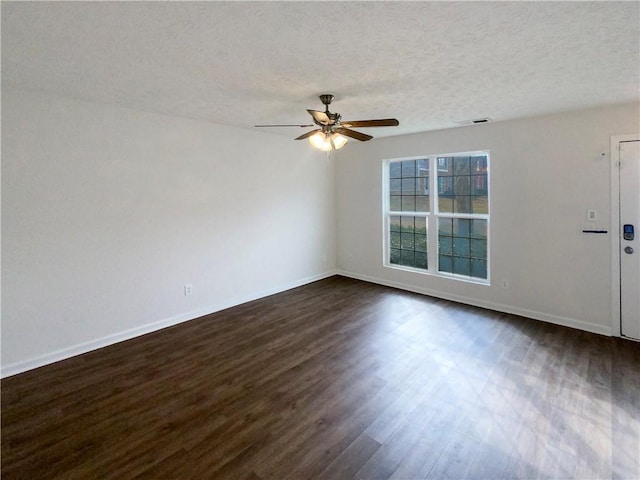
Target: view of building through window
(454,202)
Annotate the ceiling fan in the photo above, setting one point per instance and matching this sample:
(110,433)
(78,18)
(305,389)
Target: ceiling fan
(333,132)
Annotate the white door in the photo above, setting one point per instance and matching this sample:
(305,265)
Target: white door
(630,242)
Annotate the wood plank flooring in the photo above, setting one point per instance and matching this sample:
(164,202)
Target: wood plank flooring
(338,379)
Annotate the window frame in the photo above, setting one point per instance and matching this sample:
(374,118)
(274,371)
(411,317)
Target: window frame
(432,217)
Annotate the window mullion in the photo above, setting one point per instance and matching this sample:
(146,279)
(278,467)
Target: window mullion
(432,248)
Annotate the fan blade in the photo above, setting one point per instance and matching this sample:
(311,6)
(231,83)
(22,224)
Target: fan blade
(363,137)
(308,134)
(320,117)
(304,126)
(383,122)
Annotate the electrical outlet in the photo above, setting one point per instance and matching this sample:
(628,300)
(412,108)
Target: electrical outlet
(188,290)
(592,215)
(505,283)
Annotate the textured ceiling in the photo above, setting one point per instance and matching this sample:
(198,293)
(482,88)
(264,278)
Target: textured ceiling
(429,64)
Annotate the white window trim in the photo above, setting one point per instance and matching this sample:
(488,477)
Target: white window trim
(432,218)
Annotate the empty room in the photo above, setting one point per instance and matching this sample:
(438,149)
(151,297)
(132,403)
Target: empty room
(320,240)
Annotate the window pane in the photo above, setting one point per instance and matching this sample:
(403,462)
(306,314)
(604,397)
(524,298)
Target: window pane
(422,186)
(480,204)
(408,168)
(445,263)
(408,186)
(421,235)
(445,165)
(422,204)
(478,268)
(445,245)
(406,258)
(407,242)
(407,224)
(394,239)
(461,227)
(395,170)
(462,266)
(462,185)
(461,165)
(479,164)
(478,229)
(478,248)
(462,204)
(445,226)
(422,167)
(461,247)
(445,186)
(408,204)
(395,186)
(445,205)
(409,179)
(479,185)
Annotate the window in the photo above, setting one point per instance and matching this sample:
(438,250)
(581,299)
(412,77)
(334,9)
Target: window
(456,211)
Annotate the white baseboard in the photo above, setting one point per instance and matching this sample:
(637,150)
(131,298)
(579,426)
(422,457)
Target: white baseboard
(523,312)
(79,349)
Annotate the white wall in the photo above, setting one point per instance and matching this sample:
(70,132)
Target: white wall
(545,173)
(108,212)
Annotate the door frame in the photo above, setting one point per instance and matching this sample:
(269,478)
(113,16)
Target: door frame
(615,229)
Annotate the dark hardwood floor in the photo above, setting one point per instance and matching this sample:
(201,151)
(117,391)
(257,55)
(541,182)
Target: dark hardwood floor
(338,379)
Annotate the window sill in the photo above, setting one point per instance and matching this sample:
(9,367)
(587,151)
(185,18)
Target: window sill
(449,276)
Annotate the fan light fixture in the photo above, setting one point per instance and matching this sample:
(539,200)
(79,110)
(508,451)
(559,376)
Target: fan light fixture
(327,141)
